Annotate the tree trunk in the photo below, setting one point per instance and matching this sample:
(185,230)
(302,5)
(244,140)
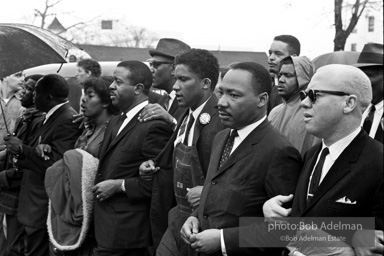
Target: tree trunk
(341,35)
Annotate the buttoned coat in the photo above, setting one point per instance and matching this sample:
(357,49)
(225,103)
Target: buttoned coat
(264,165)
(357,175)
(60,133)
(122,221)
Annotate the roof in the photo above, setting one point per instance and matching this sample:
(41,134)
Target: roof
(56,26)
(112,53)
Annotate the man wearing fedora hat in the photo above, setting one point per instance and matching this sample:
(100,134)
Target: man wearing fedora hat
(371,63)
(162,68)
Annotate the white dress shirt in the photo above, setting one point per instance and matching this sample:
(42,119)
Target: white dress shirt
(335,151)
(132,113)
(53,110)
(171,99)
(195,114)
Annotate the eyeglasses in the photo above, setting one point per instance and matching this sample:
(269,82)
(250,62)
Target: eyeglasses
(156,64)
(312,94)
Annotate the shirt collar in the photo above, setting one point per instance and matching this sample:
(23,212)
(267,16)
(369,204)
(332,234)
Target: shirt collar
(131,113)
(197,111)
(338,147)
(379,107)
(172,95)
(244,132)
(53,110)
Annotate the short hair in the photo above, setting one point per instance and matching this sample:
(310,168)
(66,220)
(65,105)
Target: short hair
(261,78)
(54,85)
(140,73)
(293,43)
(33,77)
(101,88)
(352,81)
(91,66)
(202,63)
(286,60)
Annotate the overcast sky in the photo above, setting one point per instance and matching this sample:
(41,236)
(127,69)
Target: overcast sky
(240,25)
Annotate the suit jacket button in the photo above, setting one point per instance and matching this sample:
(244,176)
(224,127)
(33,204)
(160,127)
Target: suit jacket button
(214,182)
(205,216)
(99,174)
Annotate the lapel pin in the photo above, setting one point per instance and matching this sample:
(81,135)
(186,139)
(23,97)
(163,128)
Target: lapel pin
(204,118)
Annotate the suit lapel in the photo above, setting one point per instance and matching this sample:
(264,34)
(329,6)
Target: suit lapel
(108,135)
(341,167)
(216,154)
(245,146)
(174,106)
(209,109)
(304,179)
(48,124)
(132,123)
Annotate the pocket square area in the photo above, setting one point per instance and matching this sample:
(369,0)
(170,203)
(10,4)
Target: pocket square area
(345,200)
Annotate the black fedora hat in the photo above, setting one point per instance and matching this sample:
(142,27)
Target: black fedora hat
(169,47)
(371,55)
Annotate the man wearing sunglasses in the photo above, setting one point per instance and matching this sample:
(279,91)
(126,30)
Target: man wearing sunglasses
(342,176)
(162,68)
(294,76)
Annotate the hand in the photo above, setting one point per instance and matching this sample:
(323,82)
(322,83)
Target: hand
(190,227)
(273,207)
(107,188)
(43,149)
(79,118)
(207,241)
(193,195)
(13,144)
(362,242)
(154,112)
(147,170)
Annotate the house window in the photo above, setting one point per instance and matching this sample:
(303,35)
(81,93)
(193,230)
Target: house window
(371,24)
(353,47)
(106,24)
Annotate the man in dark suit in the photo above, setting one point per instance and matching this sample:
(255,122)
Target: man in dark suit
(60,133)
(162,68)
(250,163)
(184,161)
(346,181)
(371,63)
(121,213)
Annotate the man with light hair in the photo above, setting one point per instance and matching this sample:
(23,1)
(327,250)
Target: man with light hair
(342,176)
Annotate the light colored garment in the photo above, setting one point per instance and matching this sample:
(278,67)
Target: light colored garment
(288,117)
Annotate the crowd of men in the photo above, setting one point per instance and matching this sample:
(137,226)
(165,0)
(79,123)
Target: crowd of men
(174,173)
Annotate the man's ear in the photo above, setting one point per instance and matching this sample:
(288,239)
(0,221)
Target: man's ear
(263,99)
(139,88)
(206,83)
(89,73)
(350,104)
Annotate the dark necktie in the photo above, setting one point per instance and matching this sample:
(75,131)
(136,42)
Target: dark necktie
(369,120)
(189,126)
(317,175)
(228,148)
(118,124)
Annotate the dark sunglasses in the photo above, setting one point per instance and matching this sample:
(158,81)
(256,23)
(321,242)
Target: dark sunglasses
(156,64)
(312,94)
